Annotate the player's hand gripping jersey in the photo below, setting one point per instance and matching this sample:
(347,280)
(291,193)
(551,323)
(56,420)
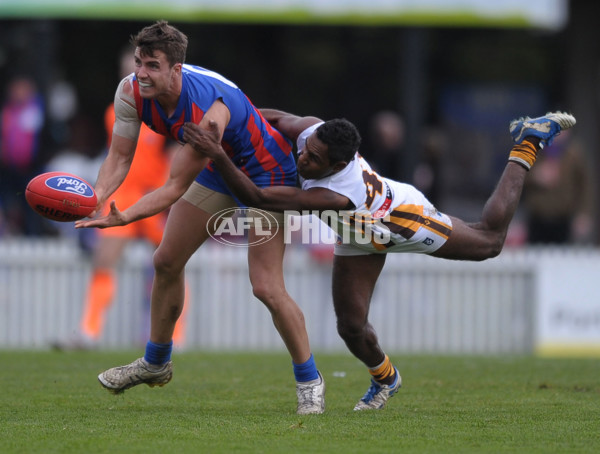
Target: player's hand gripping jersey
(258,149)
(388,216)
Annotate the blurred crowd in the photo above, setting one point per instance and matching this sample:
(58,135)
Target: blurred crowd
(44,133)
(22,118)
(557,205)
(40,134)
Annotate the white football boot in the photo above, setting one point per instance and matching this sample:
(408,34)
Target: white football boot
(311,396)
(118,379)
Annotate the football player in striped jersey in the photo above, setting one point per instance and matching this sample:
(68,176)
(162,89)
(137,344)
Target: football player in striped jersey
(164,93)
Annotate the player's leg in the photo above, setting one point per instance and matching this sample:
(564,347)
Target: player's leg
(185,231)
(354,279)
(152,229)
(485,239)
(265,263)
(353,282)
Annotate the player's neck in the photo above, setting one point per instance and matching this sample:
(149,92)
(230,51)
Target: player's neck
(168,101)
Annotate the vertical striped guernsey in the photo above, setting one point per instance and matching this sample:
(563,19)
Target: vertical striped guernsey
(258,149)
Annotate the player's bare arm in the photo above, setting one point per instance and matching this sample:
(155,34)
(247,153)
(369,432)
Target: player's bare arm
(114,169)
(275,198)
(185,166)
(126,130)
(288,124)
(281,198)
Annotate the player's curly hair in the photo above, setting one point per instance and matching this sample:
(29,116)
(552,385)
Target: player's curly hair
(164,37)
(342,139)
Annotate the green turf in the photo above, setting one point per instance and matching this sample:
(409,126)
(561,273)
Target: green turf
(51,402)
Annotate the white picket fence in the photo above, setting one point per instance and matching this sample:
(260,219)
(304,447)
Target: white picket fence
(421,304)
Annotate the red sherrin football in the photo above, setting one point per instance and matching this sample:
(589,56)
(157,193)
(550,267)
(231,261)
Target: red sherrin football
(61,196)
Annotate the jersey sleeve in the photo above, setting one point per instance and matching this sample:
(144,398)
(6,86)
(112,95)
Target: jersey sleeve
(127,123)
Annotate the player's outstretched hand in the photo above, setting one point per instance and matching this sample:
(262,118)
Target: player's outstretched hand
(98,208)
(113,219)
(205,141)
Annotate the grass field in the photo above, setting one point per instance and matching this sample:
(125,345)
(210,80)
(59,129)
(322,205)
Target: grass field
(245,403)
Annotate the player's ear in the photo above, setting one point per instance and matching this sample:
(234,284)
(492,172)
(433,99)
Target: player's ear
(340,165)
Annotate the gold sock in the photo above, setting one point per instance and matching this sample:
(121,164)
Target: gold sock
(383,373)
(524,154)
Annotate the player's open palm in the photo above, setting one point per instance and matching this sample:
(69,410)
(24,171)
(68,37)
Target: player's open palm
(113,219)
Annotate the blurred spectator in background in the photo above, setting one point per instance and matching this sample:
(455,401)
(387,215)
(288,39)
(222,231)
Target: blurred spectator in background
(426,177)
(22,120)
(148,171)
(558,195)
(79,157)
(62,112)
(387,140)
(386,151)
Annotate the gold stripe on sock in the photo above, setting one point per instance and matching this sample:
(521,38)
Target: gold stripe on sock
(524,153)
(384,372)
